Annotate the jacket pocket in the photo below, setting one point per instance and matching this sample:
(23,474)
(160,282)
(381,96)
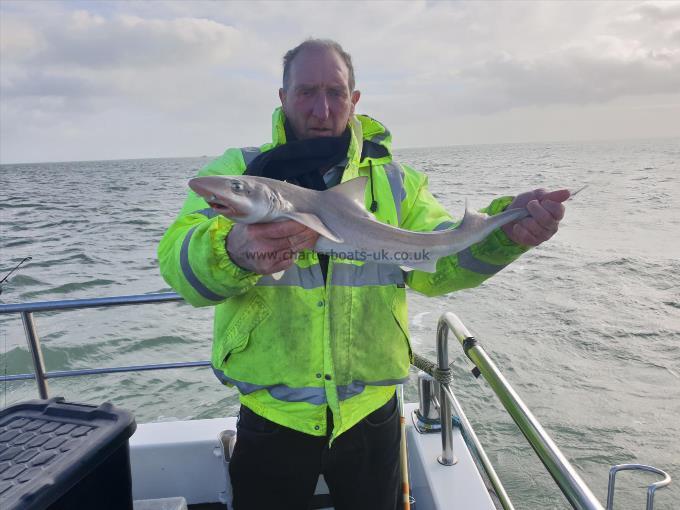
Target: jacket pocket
(400,314)
(252,311)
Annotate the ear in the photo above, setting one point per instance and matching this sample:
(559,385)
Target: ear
(356,95)
(282,96)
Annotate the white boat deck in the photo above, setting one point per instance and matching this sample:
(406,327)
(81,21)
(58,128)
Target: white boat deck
(184,458)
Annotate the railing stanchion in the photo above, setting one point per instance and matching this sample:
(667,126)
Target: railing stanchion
(36,353)
(447,457)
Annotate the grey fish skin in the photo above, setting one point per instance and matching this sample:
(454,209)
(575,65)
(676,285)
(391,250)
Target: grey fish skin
(346,228)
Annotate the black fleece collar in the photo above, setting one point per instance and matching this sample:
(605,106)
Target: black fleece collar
(301,162)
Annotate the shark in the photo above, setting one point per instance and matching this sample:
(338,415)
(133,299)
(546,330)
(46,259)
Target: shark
(346,228)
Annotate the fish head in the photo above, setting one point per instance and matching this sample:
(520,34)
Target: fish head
(240,198)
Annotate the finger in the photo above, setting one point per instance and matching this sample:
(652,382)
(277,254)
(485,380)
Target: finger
(539,193)
(542,216)
(523,236)
(282,264)
(304,241)
(555,209)
(536,230)
(295,243)
(268,259)
(278,229)
(560,195)
(267,245)
(523,199)
(266,237)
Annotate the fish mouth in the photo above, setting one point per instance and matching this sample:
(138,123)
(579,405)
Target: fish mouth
(226,210)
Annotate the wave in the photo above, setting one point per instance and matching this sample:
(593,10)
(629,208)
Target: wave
(69,288)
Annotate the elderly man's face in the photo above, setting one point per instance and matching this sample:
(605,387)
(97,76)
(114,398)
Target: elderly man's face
(318,101)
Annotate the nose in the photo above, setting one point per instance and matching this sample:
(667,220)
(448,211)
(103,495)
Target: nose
(198,185)
(205,186)
(320,109)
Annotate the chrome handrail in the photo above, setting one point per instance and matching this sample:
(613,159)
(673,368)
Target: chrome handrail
(447,457)
(57,374)
(570,483)
(40,374)
(651,488)
(441,372)
(71,304)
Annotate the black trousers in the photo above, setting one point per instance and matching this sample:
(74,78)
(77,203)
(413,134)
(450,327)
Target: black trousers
(276,467)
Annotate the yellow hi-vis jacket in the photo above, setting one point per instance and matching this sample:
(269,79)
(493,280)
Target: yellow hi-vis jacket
(296,345)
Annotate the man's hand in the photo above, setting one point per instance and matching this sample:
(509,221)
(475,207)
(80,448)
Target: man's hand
(546,211)
(267,248)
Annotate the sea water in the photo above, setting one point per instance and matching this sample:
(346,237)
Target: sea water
(586,327)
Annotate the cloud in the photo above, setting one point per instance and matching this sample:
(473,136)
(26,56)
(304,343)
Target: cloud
(90,41)
(85,57)
(570,77)
(215,66)
(659,12)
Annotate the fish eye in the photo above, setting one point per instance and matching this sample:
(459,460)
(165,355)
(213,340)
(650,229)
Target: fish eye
(237,186)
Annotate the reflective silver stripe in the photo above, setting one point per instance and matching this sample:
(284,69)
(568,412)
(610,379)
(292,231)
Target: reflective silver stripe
(350,390)
(305,277)
(314,396)
(210,213)
(445,225)
(189,273)
(371,273)
(381,137)
(249,154)
(467,260)
(395,175)
(357,387)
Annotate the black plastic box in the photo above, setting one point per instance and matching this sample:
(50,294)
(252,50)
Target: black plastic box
(62,456)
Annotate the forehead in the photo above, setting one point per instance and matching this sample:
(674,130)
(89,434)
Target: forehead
(318,66)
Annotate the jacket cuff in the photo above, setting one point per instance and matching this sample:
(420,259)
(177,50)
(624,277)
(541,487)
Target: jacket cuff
(219,234)
(510,247)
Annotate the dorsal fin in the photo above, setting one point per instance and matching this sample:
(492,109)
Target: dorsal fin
(471,219)
(353,189)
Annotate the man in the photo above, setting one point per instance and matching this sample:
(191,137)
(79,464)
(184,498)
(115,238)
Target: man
(316,354)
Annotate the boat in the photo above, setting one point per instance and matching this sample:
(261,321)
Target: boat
(447,464)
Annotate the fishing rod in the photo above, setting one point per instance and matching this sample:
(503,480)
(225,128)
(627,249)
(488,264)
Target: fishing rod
(14,269)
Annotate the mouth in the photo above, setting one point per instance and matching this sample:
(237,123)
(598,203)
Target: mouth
(225,210)
(321,131)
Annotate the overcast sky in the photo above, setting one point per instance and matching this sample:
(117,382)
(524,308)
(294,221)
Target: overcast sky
(107,80)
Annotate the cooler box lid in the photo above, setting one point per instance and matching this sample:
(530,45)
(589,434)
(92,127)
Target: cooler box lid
(47,446)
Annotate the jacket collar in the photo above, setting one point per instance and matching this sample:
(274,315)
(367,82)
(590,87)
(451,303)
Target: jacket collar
(370,140)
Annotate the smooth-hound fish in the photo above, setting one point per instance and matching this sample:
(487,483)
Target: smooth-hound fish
(338,214)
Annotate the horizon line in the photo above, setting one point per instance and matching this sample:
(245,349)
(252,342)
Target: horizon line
(594,140)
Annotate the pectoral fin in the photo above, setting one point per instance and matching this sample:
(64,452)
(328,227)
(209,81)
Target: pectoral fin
(312,221)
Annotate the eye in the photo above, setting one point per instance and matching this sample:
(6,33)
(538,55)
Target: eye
(236,186)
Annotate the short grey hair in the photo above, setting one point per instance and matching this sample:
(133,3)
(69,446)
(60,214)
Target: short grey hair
(327,44)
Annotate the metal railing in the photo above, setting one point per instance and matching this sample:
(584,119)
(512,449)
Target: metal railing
(651,488)
(564,474)
(26,310)
(570,483)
